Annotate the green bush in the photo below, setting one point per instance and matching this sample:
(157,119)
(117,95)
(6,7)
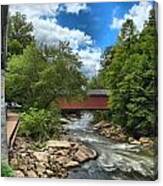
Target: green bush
(102,115)
(6,170)
(40,125)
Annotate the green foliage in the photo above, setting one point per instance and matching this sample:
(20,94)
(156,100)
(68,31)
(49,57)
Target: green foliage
(22,74)
(130,75)
(19,34)
(102,115)
(6,170)
(34,81)
(40,125)
(97,82)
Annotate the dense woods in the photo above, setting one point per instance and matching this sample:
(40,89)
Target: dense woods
(130,75)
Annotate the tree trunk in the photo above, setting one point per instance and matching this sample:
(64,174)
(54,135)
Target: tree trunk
(4,147)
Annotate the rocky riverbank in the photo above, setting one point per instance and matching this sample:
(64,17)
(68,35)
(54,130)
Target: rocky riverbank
(52,159)
(116,133)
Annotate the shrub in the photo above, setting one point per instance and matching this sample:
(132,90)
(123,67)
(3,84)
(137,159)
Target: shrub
(6,170)
(40,125)
(102,115)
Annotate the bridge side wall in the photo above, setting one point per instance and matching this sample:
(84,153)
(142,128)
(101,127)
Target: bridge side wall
(91,103)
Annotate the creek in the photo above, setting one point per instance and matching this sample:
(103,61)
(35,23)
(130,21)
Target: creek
(115,161)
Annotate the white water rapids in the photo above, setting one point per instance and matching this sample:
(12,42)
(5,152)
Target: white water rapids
(115,160)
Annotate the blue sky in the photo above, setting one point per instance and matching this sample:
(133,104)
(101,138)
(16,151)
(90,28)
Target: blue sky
(96,21)
(89,27)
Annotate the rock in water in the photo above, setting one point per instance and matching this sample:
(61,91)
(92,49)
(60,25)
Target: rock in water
(135,142)
(71,164)
(84,154)
(65,121)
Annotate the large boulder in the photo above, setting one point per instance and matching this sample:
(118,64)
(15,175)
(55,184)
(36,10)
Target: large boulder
(84,153)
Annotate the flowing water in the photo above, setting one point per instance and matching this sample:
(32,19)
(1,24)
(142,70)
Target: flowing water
(114,161)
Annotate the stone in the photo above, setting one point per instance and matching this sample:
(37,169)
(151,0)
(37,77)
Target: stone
(106,125)
(99,125)
(14,162)
(30,166)
(144,140)
(135,142)
(41,156)
(130,139)
(23,168)
(74,145)
(23,155)
(40,168)
(51,150)
(84,154)
(63,152)
(65,121)
(62,160)
(19,174)
(49,172)
(58,144)
(31,174)
(71,164)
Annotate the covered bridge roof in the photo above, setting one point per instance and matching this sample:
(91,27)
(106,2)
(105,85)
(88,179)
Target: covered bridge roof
(97,92)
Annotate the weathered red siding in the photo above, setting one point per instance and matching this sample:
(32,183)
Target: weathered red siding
(91,103)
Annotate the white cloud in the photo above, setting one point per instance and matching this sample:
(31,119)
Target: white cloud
(91,60)
(138,13)
(48,31)
(75,7)
(36,10)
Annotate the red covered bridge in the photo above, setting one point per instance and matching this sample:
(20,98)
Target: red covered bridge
(97,99)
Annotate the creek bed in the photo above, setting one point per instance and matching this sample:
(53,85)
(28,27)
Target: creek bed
(115,160)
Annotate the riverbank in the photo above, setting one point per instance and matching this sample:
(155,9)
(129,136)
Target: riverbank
(51,159)
(118,134)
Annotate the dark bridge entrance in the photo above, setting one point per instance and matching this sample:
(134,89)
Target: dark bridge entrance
(97,99)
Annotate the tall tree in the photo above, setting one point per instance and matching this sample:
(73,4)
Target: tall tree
(19,33)
(131,78)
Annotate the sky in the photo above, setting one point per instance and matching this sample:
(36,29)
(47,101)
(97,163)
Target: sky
(89,27)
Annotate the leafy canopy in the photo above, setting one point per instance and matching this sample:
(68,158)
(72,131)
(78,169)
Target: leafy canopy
(130,75)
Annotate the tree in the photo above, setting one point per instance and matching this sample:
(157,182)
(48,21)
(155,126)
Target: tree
(63,77)
(19,34)
(22,74)
(131,78)
(34,81)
